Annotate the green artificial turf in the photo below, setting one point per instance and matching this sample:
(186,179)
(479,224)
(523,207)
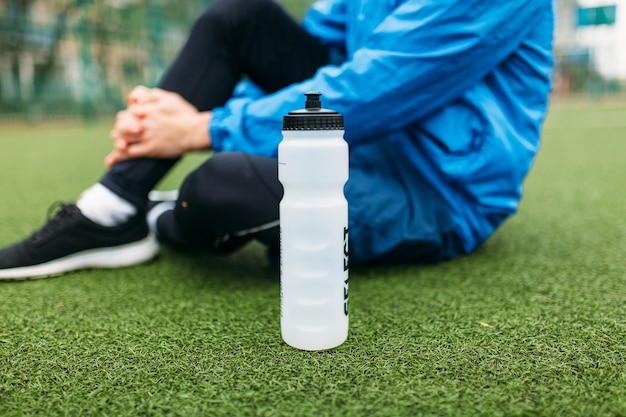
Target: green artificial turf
(532,324)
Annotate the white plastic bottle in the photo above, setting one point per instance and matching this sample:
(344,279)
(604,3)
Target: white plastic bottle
(313,169)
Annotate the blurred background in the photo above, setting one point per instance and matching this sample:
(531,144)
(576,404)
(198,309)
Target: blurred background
(78,58)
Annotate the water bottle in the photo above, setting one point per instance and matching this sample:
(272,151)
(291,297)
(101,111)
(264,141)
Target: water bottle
(313,169)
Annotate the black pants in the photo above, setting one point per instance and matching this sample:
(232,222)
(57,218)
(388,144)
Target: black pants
(231,192)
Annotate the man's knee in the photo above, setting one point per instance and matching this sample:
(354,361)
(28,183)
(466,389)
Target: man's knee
(200,202)
(230,191)
(207,188)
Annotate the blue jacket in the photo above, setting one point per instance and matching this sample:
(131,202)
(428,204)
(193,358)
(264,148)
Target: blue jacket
(459,87)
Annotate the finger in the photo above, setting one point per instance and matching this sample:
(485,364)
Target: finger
(138,94)
(127,151)
(148,95)
(109,159)
(125,118)
(138,110)
(114,157)
(121,145)
(121,138)
(126,124)
(138,150)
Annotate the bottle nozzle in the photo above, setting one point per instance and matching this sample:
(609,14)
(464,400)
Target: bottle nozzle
(313,100)
(313,116)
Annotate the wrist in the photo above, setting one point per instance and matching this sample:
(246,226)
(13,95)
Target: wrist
(200,138)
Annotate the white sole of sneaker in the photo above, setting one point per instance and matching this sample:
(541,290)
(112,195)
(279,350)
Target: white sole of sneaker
(114,257)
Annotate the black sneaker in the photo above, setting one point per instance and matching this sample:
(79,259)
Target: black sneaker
(70,241)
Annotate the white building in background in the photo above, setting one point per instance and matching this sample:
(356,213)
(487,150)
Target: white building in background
(600,27)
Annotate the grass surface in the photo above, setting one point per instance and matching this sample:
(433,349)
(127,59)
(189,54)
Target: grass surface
(533,323)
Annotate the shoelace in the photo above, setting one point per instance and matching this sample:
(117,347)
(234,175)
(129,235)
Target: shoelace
(57,215)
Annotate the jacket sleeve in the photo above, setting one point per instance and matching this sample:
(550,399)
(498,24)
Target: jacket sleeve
(326,20)
(421,57)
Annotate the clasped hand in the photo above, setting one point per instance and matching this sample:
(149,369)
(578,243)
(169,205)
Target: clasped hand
(157,124)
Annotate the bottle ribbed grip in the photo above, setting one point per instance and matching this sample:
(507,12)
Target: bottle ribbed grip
(310,122)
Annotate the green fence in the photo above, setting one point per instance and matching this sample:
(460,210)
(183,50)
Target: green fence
(68,58)
(575,76)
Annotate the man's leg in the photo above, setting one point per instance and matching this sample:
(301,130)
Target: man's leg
(231,39)
(229,200)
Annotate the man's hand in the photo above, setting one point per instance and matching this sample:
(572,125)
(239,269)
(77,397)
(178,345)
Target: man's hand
(158,124)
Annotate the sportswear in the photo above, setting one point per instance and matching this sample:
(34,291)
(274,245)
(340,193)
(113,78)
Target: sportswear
(454,91)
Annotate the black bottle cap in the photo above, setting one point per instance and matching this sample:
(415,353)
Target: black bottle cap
(313,116)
